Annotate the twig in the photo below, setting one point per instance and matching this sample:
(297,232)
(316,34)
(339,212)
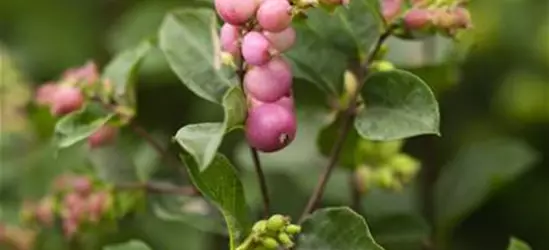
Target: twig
(255,155)
(158,188)
(356,195)
(360,73)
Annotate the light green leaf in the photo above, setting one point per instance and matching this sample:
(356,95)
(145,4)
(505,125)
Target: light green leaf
(189,40)
(220,184)
(336,228)
(79,125)
(516,244)
(398,105)
(475,174)
(122,69)
(130,245)
(202,140)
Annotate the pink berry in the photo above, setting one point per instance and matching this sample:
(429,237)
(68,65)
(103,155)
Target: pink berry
(417,18)
(286,101)
(102,136)
(70,227)
(66,100)
(269,82)
(390,9)
(270,127)
(281,41)
(87,73)
(462,17)
(236,12)
(82,185)
(44,212)
(96,205)
(274,15)
(229,35)
(255,48)
(45,93)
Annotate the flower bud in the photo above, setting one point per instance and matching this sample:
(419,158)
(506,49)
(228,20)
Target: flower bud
(293,229)
(236,12)
(274,15)
(229,35)
(260,226)
(82,185)
(382,66)
(285,240)
(270,127)
(66,99)
(269,243)
(102,136)
(44,212)
(276,223)
(416,19)
(269,82)
(462,17)
(97,204)
(44,94)
(255,48)
(405,165)
(70,227)
(88,73)
(283,40)
(390,9)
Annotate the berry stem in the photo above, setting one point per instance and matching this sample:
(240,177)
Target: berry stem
(360,73)
(356,196)
(241,70)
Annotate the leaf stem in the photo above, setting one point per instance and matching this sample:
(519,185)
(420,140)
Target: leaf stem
(360,73)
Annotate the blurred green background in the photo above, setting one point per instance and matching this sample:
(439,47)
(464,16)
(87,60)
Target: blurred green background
(484,180)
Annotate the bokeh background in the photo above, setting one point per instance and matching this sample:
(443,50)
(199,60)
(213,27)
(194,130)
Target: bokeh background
(483,181)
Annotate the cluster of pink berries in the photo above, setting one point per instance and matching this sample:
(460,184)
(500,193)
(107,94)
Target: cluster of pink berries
(75,202)
(68,95)
(426,15)
(258,31)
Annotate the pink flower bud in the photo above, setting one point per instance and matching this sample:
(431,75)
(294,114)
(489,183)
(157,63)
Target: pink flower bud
(270,127)
(274,15)
(66,100)
(281,41)
(229,35)
(390,9)
(102,136)
(417,18)
(82,185)
(462,17)
(70,227)
(44,94)
(255,48)
(269,82)
(97,203)
(88,73)
(236,12)
(44,212)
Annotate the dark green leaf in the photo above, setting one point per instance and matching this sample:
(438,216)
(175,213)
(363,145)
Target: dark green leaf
(475,174)
(202,140)
(79,125)
(516,244)
(131,245)
(398,105)
(122,69)
(326,140)
(336,228)
(191,45)
(352,29)
(318,62)
(193,211)
(220,184)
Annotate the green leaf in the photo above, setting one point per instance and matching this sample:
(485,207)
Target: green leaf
(122,69)
(131,245)
(317,62)
(326,140)
(202,140)
(398,105)
(79,125)
(475,174)
(220,184)
(352,29)
(193,211)
(113,163)
(516,244)
(189,40)
(401,231)
(336,228)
